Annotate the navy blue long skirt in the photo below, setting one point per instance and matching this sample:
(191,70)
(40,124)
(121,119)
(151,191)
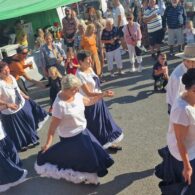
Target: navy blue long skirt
(102,125)
(10,171)
(21,126)
(74,159)
(170,172)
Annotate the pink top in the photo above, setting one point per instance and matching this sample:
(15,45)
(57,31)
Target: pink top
(135,33)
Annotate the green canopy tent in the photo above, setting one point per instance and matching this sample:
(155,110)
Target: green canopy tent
(40,13)
(16,8)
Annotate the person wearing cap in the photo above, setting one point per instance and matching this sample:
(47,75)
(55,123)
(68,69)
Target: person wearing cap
(78,157)
(177,170)
(175,86)
(17,68)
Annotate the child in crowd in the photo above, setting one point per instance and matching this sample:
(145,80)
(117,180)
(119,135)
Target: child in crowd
(78,36)
(189,32)
(71,62)
(160,73)
(55,85)
(88,43)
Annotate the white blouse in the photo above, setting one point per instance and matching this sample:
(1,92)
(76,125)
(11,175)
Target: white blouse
(71,114)
(184,114)
(175,86)
(10,93)
(2,133)
(87,78)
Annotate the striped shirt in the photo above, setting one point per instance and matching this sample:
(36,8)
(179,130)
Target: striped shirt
(175,16)
(156,23)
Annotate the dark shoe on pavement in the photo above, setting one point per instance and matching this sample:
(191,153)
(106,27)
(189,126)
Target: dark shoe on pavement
(115,148)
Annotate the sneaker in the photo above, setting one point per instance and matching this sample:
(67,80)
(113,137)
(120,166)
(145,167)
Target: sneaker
(121,72)
(112,75)
(139,69)
(133,69)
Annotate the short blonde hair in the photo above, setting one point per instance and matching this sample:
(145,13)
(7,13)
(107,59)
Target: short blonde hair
(89,28)
(70,81)
(110,20)
(54,73)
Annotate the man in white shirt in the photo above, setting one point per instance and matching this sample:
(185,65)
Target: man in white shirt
(175,86)
(119,20)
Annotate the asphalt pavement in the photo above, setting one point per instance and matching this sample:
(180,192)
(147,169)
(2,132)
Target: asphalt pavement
(143,116)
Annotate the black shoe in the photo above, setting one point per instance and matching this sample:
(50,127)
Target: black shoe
(115,148)
(23,149)
(163,90)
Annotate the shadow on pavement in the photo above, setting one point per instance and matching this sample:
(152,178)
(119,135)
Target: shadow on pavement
(130,99)
(45,186)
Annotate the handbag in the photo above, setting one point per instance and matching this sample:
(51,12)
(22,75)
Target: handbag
(138,49)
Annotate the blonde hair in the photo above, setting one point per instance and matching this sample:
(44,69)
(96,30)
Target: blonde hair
(89,29)
(70,81)
(54,73)
(190,22)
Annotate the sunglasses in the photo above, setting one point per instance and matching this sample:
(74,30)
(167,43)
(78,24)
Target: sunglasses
(129,18)
(24,53)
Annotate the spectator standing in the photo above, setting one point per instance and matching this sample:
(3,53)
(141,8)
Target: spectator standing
(71,62)
(175,18)
(78,36)
(132,35)
(21,35)
(154,25)
(69,23)
(51,54)
(143,25)
(110,39)
(190,9)
(88,42)
(119,21)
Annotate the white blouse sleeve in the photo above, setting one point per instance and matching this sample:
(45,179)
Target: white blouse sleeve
(180,116)
(81,77)
(57,110)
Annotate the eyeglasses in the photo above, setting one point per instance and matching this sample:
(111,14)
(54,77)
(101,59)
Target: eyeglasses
(24,53)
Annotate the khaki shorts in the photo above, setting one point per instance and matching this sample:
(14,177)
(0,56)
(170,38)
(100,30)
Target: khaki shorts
(175,36)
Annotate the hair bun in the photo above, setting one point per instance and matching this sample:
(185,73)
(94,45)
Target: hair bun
(188,78)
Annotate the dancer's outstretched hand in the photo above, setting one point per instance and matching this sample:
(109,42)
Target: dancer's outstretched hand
(44,148)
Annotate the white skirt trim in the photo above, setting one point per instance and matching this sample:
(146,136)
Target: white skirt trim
(5,187)
(42,123)
(49,170)
(119,139)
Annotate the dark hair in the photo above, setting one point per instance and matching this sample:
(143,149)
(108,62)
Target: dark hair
(188,79)
(20,49)
(2,65)
(82,55)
